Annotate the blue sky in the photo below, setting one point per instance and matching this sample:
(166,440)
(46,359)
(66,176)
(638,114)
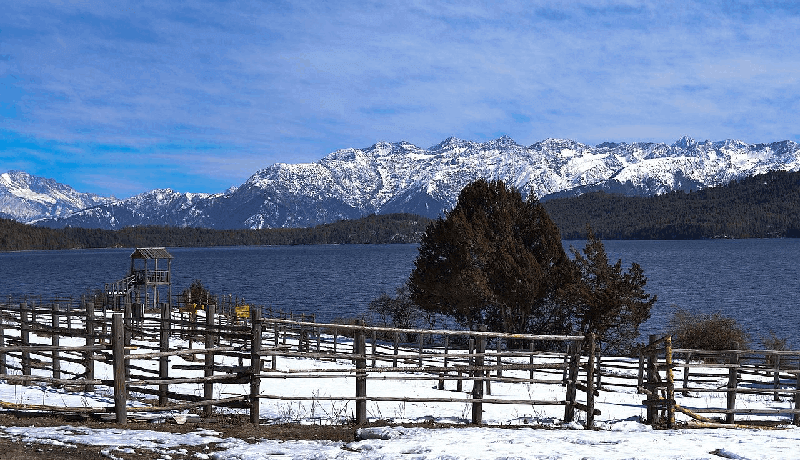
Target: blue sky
(117,97)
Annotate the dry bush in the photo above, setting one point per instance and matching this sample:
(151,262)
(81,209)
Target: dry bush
(703,331)
(773,342)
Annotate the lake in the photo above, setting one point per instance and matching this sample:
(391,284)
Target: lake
(755,281)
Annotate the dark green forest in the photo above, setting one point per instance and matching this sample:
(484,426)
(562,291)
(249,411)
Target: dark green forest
(763,206)
(374,229)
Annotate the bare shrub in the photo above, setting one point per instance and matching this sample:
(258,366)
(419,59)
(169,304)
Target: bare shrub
(773,342)
(400,312)
(703,331)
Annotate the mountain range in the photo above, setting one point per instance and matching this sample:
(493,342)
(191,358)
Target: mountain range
(27,198)
(403,178)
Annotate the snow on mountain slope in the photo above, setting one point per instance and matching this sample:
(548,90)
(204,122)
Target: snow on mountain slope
(401,177)
(25,197)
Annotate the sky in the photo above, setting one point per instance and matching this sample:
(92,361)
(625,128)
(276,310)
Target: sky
(116,97)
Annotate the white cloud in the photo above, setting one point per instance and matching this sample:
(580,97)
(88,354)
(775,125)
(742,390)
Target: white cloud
(291,82)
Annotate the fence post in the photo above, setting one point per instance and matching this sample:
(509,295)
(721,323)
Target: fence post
(255,365)
(421,343)
(25,335)
(733,382)
(670,384)
(360,349)
(471,359)
(396,349)
(590,383)
(686,371)
(3,369)
(374,346)
(208,386)
(477,386)
(128,321)
(444,361)
(640,383)
(776,380)
(88,357)
(274,361)
(54,340)
(499,359)
(118,353)
(652,382)
(163,361)
(796,415)
(531,347)
(572,377)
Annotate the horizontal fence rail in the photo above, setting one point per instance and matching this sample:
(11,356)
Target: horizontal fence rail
(137,348)
(238,356)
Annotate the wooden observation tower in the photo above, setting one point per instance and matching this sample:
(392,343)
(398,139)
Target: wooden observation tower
(149,280)
(150,274)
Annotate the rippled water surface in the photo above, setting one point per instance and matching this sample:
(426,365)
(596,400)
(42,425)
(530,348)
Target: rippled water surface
(755,281)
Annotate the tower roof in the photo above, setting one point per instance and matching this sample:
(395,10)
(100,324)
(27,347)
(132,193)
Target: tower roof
(151,253)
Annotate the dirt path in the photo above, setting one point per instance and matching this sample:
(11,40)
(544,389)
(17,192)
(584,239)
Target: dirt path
(13,448)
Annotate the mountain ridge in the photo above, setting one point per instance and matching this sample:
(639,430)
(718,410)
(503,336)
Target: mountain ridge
(400,177)
(26,197)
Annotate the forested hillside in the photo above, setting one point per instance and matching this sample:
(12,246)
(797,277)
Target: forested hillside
(763,206)
(390,228)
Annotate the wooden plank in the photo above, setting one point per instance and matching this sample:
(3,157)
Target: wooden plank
(733,375)
(590,391)
(585,408)
(477,385)
(208,387)
(360,350)
(120,390)
(25,336)
(163,345)
(88,308)
(255,366)
(54,340)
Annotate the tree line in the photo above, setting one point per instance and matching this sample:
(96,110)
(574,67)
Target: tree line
(373,229)
(762,206)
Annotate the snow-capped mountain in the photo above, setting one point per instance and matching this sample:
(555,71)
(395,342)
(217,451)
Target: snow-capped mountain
(156,207)
(401,177)
(24,197)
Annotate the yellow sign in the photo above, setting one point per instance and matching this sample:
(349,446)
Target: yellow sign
(243,311)
(191,308)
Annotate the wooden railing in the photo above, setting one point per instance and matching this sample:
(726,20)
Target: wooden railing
(467,363)
(133,347)
(743,372)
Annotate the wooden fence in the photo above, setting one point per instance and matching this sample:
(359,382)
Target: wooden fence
(732,373)
(138,350)
(33,333)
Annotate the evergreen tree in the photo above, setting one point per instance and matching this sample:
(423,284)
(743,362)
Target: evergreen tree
(496,260)
(607,301)
(198,294)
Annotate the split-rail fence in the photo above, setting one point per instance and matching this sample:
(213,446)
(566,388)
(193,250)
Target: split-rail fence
(138,349)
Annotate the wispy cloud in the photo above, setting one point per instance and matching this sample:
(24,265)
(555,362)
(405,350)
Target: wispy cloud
(208,93)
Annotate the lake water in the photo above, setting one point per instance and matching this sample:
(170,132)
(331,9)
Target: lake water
(755,281)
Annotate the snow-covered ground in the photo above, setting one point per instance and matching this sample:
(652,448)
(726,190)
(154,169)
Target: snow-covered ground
(527,432)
